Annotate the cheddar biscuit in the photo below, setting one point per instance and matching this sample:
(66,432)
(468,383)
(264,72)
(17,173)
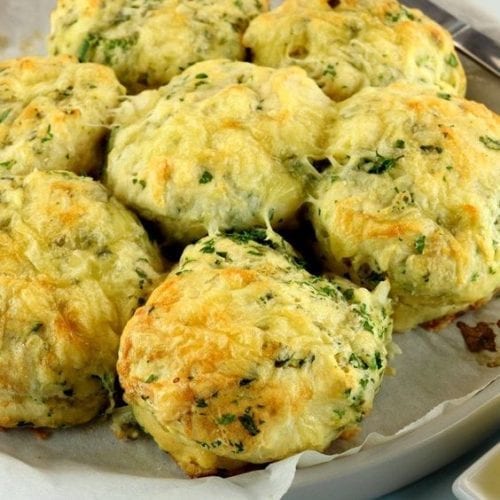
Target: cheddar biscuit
(147,42)
(75,264)
(241,356)
(54,114)
(351,44)
(412,195)
(225,145)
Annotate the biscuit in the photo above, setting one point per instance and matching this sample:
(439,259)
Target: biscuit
(75,264)
(241,356)
(351,44)
(225,145)
(412,195)
(149,42)
(54,114)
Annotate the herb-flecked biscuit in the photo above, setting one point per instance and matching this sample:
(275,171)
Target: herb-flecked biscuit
(351,44)
(147,42)
(225,145)
(54,114)
(242,356)
(75,264)
(413,195)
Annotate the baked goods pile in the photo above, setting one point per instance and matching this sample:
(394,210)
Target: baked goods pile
(346,134)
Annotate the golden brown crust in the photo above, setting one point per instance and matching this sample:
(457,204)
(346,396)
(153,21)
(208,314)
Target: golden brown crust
(224,146)
(54,114)
(412,196)
(242,357)
(147,43)
(357,43)
(75,264)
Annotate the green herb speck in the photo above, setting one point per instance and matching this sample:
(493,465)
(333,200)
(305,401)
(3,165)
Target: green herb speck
(379,165)
(7,164)
(248,423)
(226,419)
(49,135)
(206,177)
(200,403)
(420,244)
(490,143)
(36,327)
(430,148)
(452,60)
(4,115)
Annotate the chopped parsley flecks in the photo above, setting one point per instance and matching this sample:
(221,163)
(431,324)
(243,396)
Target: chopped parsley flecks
(109,46)
(151,378)
(430,148)
(363,382)
(357,362)
(238,446)
(4,115)
(257,235)
(200,403)
(365,317)
(92,40)
(281,361)
(330,71)
(248,422)
(205,177)
(36,327)
(246,381)
(378,361)
(7,164)
(213,444)
(141,182)
(490,143)
(266,298)
(208,247)
(444,95)
(420,244)
(451,60)
(141,273)
(89,43)
(379,165)
(49,135)
(201,76)
(340,413)
(288,361)
(394,17)
(399,144)
(226,419)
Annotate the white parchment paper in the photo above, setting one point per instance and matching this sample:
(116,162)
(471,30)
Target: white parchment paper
(434,372)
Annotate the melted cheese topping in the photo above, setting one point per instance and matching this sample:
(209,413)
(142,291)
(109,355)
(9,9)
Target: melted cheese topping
(243,356)
(412,195)
(54,114)
(225,145)
(75,264)
(147,42)
(355,44)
